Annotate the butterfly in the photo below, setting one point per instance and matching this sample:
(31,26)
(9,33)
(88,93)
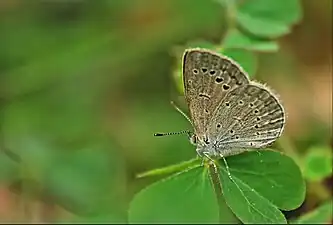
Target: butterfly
(229,113)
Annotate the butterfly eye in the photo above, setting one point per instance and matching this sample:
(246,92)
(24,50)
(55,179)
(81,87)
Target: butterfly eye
(204,70)
(212,72)
(227,104)
(193,139)
(195,71)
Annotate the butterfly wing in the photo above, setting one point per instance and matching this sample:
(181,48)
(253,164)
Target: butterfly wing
(208,78)
(248,117)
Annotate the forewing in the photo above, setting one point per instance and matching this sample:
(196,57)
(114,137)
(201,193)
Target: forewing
(208,78)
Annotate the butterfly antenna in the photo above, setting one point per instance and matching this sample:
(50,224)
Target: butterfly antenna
(173,133)
(180,111)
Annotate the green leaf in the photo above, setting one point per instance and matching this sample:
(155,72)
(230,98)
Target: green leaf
(320,215)
(171,169)
(263,182)
(268,18)
(247,60)
(260,27)
(287,11)
(237,39)
(318,163)
(186,197)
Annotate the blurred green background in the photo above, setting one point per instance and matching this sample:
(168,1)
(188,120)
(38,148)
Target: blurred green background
(85,84)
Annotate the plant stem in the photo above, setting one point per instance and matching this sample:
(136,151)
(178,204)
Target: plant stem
(217,185)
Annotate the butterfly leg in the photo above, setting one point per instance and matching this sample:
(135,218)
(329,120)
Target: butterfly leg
(202,159)
(208,157)
(202,162)
(227,168)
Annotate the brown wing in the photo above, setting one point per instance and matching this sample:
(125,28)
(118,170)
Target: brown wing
(208,77)
(249,117)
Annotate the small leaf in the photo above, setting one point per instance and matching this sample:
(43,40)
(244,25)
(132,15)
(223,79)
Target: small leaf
(249,205)
(247,60)
(268,18)
(264,182)
(186,197)
(237,39)
(320,215)
(178,77)
(318,163)
(170,169)
(286,11)
(262,27)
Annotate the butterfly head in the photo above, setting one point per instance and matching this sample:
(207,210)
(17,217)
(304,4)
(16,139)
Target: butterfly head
(193,139)
(203,144)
